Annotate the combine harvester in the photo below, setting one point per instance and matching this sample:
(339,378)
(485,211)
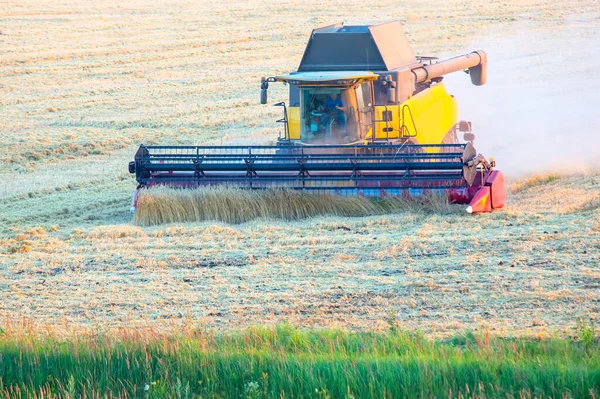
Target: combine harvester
(365,117)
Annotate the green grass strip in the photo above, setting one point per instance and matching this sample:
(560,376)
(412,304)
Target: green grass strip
(286,362)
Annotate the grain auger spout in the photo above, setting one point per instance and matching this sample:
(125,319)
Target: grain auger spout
(365,117)
(474,63)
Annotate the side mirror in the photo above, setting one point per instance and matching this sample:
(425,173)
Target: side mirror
(464,126)
(469,137)
(264,86)
(263,96)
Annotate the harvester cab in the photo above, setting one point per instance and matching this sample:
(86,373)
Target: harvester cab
(376,82)
(328,107)
(365,116)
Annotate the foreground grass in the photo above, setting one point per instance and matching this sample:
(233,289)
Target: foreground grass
(284,361)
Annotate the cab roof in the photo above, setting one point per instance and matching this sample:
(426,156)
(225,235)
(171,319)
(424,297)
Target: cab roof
(329,77)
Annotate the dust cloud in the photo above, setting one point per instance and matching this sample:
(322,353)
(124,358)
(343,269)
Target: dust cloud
(540,109)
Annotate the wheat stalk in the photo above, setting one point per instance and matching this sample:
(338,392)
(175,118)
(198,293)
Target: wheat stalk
(159,205)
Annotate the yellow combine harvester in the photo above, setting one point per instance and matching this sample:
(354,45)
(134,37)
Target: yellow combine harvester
(365,117)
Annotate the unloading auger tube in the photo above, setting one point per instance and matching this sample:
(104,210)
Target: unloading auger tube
(475,63)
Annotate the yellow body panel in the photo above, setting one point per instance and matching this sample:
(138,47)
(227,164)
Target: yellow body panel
(294,122)
(434,112)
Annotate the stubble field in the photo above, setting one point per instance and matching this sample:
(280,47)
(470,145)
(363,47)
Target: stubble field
(82,85)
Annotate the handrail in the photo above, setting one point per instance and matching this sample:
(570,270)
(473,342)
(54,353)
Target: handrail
(285,119)
(404,128)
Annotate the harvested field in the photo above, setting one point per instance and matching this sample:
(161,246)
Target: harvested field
(530,269)
(82,84)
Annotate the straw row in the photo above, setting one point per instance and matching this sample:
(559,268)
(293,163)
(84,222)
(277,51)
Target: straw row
(159,205)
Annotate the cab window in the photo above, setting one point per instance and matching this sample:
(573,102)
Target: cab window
(324,114)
